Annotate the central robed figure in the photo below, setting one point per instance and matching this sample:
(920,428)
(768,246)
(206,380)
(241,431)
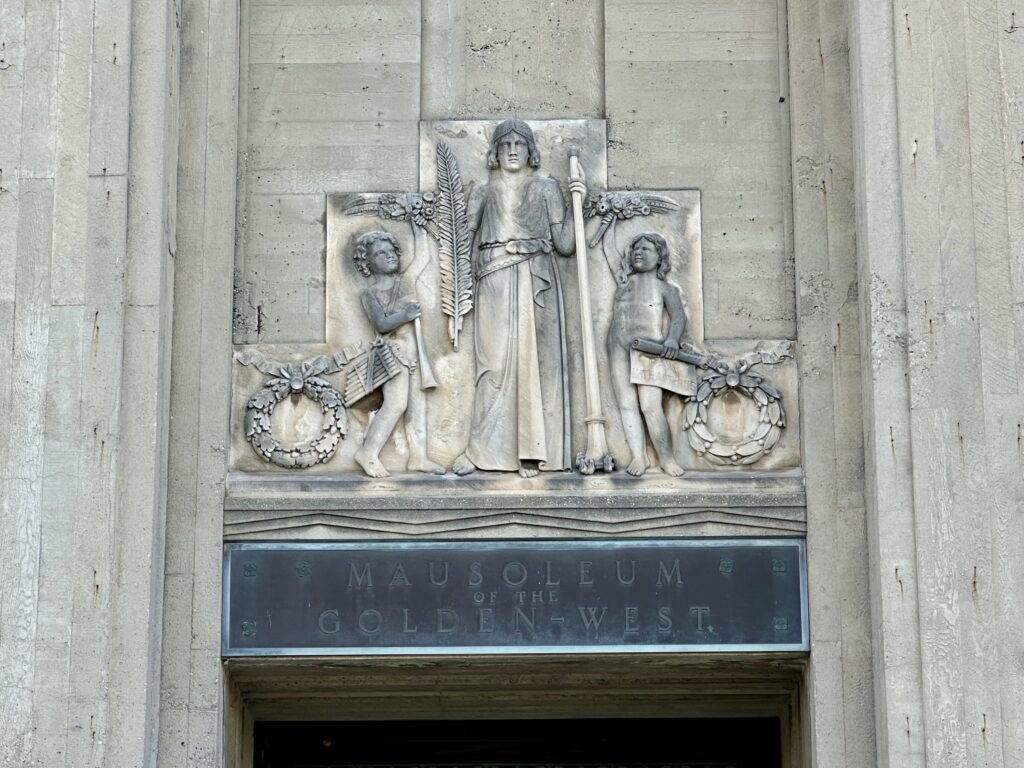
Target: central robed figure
(518,222)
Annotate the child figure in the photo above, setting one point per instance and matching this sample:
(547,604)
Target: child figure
(391,313)
(641,301)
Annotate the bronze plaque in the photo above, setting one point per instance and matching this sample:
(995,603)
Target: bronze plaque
(696,595)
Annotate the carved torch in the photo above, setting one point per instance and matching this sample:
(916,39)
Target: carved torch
(427,380)
(596,456)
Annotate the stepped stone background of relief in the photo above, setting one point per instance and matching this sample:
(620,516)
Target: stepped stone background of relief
(332,94)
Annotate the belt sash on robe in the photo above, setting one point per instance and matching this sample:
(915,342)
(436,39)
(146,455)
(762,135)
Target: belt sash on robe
(521,399)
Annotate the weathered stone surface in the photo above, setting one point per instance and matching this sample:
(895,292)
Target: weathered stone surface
(830,364)
(85,185)
(331,101)
(910,438)
(695,97)
(724,428)
(939,220)
(484,58)
(488,505)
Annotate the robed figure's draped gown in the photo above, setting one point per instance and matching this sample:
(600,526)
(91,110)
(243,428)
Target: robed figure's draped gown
(521,400)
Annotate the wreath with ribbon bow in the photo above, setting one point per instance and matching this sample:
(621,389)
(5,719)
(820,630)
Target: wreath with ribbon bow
(288,379)
(759,439)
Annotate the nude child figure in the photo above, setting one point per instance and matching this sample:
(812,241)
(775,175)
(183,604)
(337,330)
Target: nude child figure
(391,312)
(641,303)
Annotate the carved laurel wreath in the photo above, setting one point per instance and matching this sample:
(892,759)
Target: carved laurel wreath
(290,379)
(758,440)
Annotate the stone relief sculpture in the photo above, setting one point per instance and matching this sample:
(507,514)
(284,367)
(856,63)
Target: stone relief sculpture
(595,454)
(454,239)
(642,300)
(391,361)
(442,215)
(486,271)
(292,379)
(517,225)
(736,378)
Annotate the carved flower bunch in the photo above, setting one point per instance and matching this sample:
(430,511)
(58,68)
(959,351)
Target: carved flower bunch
(417,207)
(619,204)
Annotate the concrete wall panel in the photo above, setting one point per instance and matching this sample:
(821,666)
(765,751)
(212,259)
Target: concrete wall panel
(696,98)
(191,701)
(840,728)
(486,58)
(82,449)
(330,103)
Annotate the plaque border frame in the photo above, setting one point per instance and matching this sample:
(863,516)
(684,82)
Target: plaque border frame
(513,650)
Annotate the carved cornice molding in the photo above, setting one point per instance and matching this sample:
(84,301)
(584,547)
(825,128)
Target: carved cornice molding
(740,504)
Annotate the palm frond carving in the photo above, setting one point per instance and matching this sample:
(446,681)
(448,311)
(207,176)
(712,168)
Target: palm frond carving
(453,240)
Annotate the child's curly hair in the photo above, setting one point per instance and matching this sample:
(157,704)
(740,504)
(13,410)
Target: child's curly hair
(660,246)
(361,254)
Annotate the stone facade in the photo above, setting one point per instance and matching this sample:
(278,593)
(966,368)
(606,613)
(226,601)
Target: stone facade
(164,173)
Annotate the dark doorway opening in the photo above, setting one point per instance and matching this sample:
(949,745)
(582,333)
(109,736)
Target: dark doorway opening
(584,743)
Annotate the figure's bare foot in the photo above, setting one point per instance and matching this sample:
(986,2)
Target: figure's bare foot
(637,466)
(671,467)
(463,466)
(529,468)
(423,464)
(371,464)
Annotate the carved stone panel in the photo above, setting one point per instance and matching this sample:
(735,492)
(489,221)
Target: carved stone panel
(469,328)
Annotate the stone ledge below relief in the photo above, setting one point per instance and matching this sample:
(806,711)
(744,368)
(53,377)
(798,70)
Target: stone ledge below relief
(273,506)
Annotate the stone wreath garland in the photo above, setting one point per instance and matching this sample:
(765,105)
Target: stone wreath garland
(290,379)
(763,436)
(304,378)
